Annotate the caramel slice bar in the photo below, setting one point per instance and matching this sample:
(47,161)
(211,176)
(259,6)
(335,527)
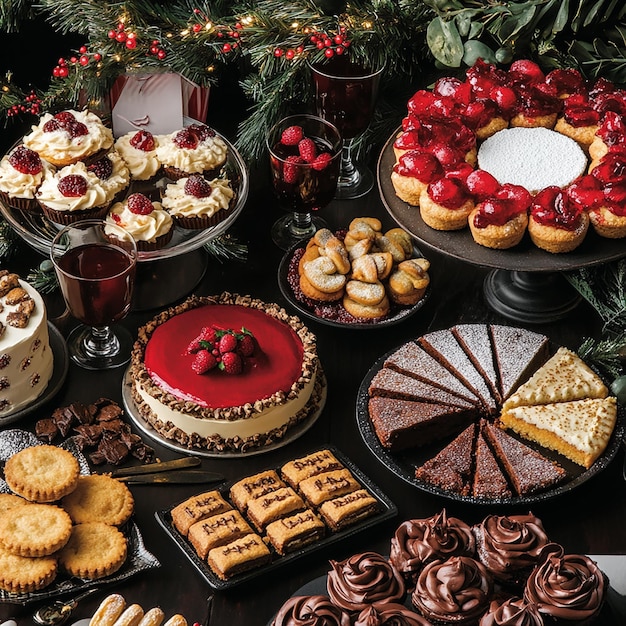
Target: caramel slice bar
(253,487)
(311,465)
(216,531)
(240,555)
(198,508)
(290,533)
(349,509)
(318,489)
(270,507)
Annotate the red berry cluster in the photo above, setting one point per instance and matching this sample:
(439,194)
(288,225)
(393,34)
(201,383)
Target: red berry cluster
(307,154)
(31,104)
(331,45)
(221,348)
(62,68)
(221,32)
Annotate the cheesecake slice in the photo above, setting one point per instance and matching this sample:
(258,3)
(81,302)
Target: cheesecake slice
(562,378)
(579,430)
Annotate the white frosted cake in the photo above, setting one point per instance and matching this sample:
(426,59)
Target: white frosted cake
(534,158)
(26,359)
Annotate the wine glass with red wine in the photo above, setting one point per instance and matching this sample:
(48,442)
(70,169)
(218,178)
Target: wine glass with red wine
(95,264)
(304,153)
(345,94)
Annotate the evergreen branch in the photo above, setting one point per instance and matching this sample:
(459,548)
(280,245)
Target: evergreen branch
(226,247)
(607,355)
(43,278)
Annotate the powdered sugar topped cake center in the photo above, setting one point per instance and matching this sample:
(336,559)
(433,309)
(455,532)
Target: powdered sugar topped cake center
(534,158)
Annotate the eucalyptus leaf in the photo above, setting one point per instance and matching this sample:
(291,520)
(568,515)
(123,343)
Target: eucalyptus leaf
(562,17)
(512,26)
(463,23)
(475,50)
(445,42)
(476,30)
(592,13)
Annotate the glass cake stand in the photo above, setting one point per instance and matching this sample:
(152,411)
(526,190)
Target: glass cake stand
(165,275)
(526,283)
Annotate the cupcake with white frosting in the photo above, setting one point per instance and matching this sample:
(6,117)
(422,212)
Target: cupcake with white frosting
(195,202)
(139,151)
(195,149)
(68,137)
(71,194)
(149,224)
(113,173)
(21,173)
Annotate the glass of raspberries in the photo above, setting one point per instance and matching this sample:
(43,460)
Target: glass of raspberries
(305,156)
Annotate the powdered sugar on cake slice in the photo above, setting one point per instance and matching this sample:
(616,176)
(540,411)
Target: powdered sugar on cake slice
(443,346)
(412,360)
(517,353)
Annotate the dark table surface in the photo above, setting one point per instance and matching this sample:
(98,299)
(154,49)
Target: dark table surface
(589,519)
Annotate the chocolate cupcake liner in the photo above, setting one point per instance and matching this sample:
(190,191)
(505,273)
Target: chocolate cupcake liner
(23,204)
(173,173)
(70,217)
(197,223)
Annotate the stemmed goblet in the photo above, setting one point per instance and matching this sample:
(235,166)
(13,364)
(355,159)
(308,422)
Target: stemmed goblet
(345,94)
(304,153)
(95,264)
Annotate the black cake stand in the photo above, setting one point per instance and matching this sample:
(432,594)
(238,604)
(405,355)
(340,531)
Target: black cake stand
(526,284)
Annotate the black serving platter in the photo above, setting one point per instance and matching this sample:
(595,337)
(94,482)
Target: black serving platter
(386,510)
(309,308)
(460,245)
(403,463)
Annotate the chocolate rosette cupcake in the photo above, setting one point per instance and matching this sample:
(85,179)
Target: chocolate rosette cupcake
(417,542)
(455,591)
(567,587)
(364,579)
(390,614)
(512,612)
(314,610)
(510,545)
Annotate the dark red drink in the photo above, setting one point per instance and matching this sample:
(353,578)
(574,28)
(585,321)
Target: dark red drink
(97,283)
(303,187)
(345,95)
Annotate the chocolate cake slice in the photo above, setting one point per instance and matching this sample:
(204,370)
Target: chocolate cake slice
(412,360)
(476,341)
(443,346)
(391,384)
(403,424)
(528,470)
(489,481)
(452,468)
(517,354)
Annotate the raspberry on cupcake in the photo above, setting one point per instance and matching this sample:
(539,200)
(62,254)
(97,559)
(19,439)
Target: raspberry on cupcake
(113,174)
(69,136)
(139,151)
(195,202)
(195,149)
(150,225)
(21,173)
(71,194)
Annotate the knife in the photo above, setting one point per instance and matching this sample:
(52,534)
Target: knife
(161,466)
(174,478)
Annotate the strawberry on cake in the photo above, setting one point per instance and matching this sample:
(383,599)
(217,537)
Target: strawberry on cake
(226,373)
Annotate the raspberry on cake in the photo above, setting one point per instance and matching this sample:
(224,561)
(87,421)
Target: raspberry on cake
(138,149)
(281,385)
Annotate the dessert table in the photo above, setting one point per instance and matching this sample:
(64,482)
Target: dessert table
(589,519)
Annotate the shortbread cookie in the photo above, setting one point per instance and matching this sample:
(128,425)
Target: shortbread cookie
(294,532)
(99,498)
(347,510)
(9,501)
(34,529)
(20,574)
(216,531)
(42,473)
(279,503)
(254,486)
(322,487)
(94,550)
(365,311)
(311,465)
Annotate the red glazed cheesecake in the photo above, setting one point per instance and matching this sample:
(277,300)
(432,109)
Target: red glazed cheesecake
(225,373)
